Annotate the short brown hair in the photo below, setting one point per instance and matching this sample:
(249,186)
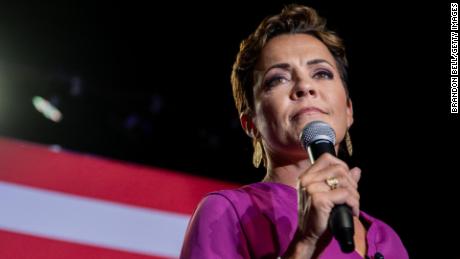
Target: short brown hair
(293,19)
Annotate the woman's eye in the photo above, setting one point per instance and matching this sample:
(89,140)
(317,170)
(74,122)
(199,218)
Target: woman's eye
(323,74)
(275,81)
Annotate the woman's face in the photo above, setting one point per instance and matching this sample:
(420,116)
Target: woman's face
(297,82)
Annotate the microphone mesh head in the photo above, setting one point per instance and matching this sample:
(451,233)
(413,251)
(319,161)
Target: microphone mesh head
(316,130)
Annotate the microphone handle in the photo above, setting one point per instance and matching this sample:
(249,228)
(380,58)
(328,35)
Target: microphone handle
(341,226)
(340,220)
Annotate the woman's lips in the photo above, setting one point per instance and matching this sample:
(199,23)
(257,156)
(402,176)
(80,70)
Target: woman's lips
(308,111)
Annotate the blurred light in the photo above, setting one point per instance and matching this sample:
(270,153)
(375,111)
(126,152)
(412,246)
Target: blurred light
(55,148)
(47,109)
(131,121)
(156,104)
(75,86)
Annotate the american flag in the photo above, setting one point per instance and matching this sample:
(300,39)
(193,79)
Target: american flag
(61,204)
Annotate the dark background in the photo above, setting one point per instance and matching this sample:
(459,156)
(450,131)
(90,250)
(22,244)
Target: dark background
(149,83)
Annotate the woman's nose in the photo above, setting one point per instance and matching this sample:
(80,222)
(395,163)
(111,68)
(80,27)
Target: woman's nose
(303,89)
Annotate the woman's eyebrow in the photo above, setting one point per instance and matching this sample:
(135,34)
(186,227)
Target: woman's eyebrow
(279,65)
(318,61)
(310,63)
(287,66)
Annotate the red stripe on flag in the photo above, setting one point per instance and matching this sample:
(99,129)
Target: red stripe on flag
(35,165)
(19,246)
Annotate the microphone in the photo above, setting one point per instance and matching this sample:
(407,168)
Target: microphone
(317,138)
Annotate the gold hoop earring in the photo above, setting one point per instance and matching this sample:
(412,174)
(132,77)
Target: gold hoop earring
(348,143)
(258,153)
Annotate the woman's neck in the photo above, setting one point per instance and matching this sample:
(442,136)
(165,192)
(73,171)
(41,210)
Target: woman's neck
(286,173)
(286,170)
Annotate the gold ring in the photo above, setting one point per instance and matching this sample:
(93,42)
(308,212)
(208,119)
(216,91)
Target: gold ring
(333,182)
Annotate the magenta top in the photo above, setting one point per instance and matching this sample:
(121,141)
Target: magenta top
(259,221)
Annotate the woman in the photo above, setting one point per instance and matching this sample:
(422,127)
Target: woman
(289,72)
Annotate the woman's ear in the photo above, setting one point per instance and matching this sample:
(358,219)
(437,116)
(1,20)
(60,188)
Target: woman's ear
(349,113)
(247,124)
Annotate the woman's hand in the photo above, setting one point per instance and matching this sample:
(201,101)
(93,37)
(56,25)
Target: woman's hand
(317,198)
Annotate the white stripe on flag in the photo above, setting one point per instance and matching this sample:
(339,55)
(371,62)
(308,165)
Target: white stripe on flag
(89,221)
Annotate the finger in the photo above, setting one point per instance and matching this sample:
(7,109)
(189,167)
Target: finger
(353,191)
(315,175)
(336,171)
(344,196)
(356,174)
(327,159)
(316,187)
(323,202)
(323,162)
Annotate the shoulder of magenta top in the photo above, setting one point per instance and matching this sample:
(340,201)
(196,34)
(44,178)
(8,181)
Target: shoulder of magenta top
(259,221)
